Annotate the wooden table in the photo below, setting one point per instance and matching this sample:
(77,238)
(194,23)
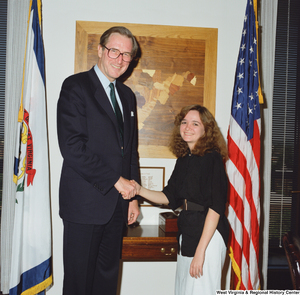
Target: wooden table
(149,243)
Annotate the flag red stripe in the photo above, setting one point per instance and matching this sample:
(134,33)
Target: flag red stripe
(236,203)
(239,160)
(255,143)
(237,254)
(236,248)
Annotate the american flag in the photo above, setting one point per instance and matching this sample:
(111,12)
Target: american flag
(244,161)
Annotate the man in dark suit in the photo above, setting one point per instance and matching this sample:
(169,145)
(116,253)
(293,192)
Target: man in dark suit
(97,134)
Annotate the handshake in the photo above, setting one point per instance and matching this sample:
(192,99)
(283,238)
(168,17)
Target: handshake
(127,188)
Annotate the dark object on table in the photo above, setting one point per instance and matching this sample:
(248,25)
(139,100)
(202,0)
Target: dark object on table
(168,222)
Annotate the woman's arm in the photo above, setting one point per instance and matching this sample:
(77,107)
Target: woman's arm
(152,196)
(210,225)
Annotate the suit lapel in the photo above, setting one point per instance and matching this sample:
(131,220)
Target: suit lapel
(103,100)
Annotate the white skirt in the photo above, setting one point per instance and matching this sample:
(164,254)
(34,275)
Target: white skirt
(207,284)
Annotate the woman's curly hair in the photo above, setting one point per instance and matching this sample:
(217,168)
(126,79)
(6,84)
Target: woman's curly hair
(211,140)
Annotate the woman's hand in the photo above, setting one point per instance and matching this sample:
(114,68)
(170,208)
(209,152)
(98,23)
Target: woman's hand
(210,225)
(152,196)
(137,186)
(196,268)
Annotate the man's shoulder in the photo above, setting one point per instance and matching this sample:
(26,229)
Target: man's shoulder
(81,76)
(124,88)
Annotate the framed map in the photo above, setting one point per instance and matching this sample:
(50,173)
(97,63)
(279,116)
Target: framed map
(176,67)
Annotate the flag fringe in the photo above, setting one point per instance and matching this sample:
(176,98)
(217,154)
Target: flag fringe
(38,288)
(235,268)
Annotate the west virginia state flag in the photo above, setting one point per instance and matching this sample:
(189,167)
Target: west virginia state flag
(31,266)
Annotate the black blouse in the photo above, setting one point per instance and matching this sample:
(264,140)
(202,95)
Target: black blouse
(202,180)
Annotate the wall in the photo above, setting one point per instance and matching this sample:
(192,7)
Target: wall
(59,17)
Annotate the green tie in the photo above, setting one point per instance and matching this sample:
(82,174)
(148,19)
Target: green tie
(117,109)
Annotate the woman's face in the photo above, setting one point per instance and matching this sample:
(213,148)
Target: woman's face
(191,128)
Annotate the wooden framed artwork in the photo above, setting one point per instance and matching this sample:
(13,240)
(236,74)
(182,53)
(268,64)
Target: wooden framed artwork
(153,178)
(176,67)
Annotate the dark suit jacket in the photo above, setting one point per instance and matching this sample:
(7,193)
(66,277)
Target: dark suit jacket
(90,144)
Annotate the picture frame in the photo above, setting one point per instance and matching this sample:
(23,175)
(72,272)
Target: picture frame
(152,178)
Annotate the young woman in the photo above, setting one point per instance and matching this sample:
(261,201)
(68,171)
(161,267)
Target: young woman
(199,184)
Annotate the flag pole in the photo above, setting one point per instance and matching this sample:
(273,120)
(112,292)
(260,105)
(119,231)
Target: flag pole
(260,95)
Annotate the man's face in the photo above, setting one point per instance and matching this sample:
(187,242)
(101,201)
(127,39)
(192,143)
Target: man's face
(114,68)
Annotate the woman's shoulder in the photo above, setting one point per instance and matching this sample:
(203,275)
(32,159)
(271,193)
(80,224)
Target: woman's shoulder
(213,155)
(210,156)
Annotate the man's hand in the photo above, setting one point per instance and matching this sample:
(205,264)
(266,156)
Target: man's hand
(133,211)
(125,188)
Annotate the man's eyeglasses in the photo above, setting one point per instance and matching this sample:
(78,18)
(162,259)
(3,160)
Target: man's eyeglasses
(115,53)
